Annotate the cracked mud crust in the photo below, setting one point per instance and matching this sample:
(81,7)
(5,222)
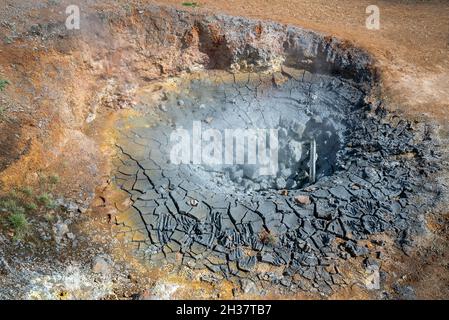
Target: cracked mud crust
(193,215)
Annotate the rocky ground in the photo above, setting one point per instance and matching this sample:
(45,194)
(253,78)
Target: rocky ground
(66,91)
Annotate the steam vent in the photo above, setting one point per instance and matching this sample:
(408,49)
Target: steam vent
(172,152)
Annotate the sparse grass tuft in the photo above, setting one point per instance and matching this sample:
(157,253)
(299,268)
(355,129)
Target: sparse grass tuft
(31,206)
(3,84)
(53,179)
(12,194)
(8,40)
(17,205)
(11,206)
(53,2)
(190,4)
(27,191)
(48,182)
(19,223)
(46,200)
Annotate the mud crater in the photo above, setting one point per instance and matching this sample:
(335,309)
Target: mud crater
(370,170)
(301,111)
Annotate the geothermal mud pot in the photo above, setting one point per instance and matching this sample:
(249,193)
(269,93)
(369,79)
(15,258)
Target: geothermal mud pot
(372,168)
(339,178)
